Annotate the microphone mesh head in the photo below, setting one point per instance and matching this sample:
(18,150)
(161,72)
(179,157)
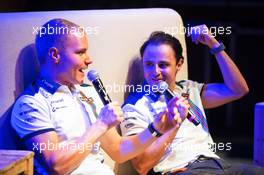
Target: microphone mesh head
(162,87)
(92,75)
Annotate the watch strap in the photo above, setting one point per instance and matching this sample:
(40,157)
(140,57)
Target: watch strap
(153,131)
(218,49)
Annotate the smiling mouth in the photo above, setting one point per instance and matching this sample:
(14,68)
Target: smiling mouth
(157,80)
(82,70)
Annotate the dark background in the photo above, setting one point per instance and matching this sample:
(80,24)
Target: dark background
(230,123)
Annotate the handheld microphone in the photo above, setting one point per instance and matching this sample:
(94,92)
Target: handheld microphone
(93,76)
(164,89)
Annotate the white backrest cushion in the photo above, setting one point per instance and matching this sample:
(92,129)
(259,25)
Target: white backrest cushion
(114,37)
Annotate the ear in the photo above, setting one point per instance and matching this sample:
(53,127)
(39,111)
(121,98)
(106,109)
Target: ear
(179,64)
(54,55)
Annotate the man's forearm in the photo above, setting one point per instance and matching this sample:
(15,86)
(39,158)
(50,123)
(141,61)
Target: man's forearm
(150,157)
(65,161)
(122,149)
(232,77)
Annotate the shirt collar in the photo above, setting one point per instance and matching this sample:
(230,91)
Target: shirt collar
(48,84)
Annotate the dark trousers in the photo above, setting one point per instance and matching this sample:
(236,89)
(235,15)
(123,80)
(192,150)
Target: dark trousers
(212,166)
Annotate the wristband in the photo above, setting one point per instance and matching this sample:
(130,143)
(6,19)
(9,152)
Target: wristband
(153,131)
(218,49)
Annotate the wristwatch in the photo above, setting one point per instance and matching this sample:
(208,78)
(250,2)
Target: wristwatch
(218,49)
(153,131)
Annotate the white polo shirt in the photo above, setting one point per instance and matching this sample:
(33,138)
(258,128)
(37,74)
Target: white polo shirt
(190,141)
(47,106)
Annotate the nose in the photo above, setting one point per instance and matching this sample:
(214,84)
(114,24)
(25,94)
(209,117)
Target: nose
(87,60)
(157,70)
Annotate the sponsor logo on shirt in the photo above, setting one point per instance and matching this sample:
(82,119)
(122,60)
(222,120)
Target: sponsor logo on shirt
(57,101)
(44,93)
(130,118)
(54,109)
(129,125)
(55,104)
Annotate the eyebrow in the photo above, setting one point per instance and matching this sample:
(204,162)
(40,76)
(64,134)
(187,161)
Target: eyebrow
(164,62)
(81,50)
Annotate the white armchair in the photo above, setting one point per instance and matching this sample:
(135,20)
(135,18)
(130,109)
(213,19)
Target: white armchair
(114,38)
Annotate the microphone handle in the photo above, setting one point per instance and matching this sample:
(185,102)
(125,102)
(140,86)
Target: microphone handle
(98,85)
(191,117)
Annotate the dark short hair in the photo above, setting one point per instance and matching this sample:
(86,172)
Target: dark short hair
(159,37)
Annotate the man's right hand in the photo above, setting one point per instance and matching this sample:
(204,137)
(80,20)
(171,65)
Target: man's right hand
(111,115)
(173,115)
(179,105)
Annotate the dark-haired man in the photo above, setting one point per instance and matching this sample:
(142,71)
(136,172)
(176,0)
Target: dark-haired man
(183,150)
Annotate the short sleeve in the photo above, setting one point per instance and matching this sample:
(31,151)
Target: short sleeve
(191,85)
(134,122)
(31,117)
